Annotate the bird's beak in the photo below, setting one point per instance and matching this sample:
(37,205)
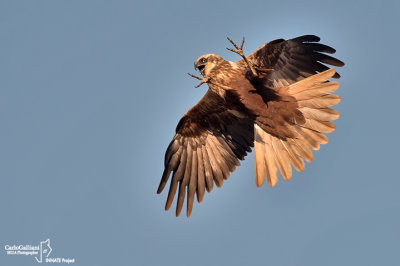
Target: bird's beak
(199,66)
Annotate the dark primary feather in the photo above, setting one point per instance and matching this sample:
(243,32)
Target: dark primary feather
(207,147)
(294,59)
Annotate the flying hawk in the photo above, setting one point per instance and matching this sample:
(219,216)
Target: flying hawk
(276,100)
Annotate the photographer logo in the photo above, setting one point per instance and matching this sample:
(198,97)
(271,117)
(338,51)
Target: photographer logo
(41,252)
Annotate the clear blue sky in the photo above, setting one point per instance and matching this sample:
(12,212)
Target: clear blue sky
(91,92)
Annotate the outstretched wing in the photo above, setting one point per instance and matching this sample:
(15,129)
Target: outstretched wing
(293,60)
(313,97)
(209,141)
(296,66)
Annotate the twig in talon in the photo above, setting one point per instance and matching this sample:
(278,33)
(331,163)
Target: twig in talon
(194,76)
(203,80)
(201,83)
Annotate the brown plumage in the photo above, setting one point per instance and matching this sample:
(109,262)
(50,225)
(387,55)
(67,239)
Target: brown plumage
(276,100)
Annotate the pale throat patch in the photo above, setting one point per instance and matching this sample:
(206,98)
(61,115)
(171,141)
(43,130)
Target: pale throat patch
(208,68)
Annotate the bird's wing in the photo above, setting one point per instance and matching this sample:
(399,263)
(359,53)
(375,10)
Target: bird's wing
(209,140)
(299,67)
(293,60)
(313,97)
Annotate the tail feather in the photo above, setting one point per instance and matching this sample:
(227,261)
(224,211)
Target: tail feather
(314,97)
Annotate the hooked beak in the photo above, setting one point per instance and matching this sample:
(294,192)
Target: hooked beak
(199,66)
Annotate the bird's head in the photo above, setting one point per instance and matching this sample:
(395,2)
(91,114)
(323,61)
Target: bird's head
(206,62)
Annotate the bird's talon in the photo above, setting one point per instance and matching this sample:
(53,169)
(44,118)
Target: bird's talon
(232,42)
(239,51)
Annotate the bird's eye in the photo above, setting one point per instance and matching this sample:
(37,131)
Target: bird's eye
(204,60)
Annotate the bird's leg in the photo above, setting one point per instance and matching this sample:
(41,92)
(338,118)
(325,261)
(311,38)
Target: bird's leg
(203,80)
(239,51)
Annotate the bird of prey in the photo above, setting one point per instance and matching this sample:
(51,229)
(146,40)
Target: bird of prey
(276,99)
